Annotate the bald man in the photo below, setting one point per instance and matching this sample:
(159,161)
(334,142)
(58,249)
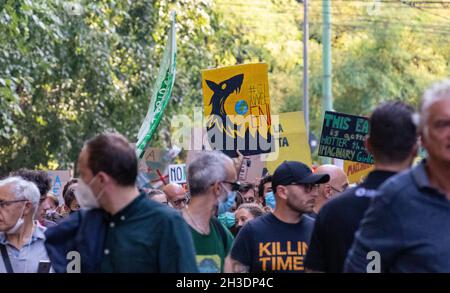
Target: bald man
(337,184)
(176,195)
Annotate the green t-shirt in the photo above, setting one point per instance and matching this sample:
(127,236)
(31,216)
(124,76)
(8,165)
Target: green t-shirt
(210,250)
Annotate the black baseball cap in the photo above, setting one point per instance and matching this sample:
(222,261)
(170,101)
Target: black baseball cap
(296,172)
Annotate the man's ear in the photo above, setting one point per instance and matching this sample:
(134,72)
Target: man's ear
(281,191)
(103,178)
(29,208)
(327,190)
(216,188)
(414,152)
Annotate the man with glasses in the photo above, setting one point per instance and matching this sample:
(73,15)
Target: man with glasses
(278,241)
(21,237)
(338,183)
(44,183)
(176,195)
(392,141)
(212,180)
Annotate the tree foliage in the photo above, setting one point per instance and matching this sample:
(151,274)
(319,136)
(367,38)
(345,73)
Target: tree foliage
(69,70)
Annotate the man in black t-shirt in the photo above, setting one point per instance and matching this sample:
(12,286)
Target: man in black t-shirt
(393,143)
(278,242)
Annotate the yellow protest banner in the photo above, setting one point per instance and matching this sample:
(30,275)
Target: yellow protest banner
(237,109)
(291,142)
(357,172)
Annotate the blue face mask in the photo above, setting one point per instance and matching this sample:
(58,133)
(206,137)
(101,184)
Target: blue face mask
(270,199)
(227,203)
(228,219)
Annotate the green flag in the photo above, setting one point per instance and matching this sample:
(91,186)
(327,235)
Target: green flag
(162,90)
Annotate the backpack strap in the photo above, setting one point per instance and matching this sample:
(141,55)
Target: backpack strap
(6,259)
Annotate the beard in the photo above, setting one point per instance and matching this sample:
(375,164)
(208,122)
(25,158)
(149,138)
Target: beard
(298,206)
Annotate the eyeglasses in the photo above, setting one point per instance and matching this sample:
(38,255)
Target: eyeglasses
(182,201)
(4,203)
(337,190)
(307,186)
(178,202)
(234,185)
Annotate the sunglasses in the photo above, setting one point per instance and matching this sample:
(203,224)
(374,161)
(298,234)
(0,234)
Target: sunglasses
(234,185)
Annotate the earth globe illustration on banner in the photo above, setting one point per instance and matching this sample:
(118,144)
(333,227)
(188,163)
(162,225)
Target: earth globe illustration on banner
(241,107)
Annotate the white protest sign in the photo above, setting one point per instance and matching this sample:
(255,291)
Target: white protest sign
(177,173)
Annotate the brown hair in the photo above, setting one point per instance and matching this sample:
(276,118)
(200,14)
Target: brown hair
(253,208)
(54,199)
(68,194)
(113,154)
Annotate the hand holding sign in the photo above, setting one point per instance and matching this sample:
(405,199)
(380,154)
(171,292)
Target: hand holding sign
(238,162)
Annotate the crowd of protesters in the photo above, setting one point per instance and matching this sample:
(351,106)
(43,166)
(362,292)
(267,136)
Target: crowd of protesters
(294,220)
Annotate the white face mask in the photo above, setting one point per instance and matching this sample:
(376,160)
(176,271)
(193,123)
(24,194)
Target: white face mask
(84,195)
(18,224)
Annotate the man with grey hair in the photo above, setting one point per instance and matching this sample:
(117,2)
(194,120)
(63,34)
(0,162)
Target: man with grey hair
(21,238)
(406,228)
(211,179)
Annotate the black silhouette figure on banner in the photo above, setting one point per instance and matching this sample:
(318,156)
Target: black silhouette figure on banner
(219,123)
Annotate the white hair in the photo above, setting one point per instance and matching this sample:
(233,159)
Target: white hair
(205,169)
(23,189)
(437,92)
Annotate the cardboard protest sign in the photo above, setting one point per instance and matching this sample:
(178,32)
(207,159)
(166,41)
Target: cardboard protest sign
(356,172)
(59,179)
(153,167)
(251,169)
(177,173)
(343,137)
(291,141)
(237,109)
